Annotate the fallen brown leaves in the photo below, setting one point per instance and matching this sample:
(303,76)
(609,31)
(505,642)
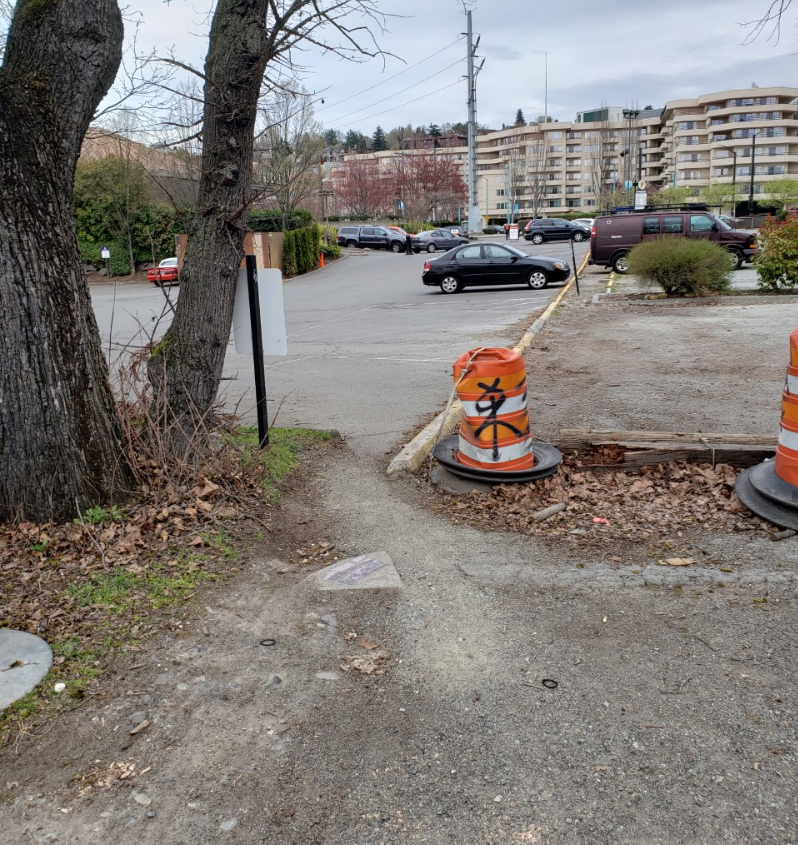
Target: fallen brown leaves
(660,503)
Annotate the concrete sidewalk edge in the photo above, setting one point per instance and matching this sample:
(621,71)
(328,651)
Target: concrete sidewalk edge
(412,455)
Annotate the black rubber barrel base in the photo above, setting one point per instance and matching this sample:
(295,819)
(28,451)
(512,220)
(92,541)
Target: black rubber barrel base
(547,459)
(769,496)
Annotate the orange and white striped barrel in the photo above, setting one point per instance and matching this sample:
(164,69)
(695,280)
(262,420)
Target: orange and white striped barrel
(787,450)
(494,431)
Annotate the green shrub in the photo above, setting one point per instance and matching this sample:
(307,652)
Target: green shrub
(490,230)
(682,266)
(331,250)
(777,261)
(289,254)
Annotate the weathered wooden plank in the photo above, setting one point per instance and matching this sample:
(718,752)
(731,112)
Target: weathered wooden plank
(577,439)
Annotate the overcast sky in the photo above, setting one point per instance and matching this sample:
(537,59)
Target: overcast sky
(619,52)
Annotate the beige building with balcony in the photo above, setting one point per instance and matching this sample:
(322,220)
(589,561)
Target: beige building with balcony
(552,168)
(583,166)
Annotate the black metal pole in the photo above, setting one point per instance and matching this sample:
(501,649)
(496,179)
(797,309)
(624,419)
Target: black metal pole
(753,170)
(576,272)
(257,351)
(734,183)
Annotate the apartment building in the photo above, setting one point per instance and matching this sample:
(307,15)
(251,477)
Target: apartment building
(582,166)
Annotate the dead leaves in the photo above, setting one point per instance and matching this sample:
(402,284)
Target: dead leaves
(659,504)
(367,664)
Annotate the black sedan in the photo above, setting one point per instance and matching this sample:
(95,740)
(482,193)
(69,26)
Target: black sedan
(437,239)
(554,229)
(492,264)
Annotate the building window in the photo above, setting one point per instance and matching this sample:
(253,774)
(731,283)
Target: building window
(573,136)
(744,171)
(722,136)
(555,203)
(687,124)
(555,148)
(690,157)
(723,171)
(573,189)
(573,203)
(499,192)
(588,203)
(501,205)
(574,148)
(555,135)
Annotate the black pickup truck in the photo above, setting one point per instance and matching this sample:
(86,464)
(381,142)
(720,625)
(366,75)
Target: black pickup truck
(373,237)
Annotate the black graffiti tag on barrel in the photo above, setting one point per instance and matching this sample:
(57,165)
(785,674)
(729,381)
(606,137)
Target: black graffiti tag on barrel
(496,397)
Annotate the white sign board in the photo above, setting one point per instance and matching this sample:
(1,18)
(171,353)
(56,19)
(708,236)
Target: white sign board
(272,314)
(641,200)
(105,252)
(513,232)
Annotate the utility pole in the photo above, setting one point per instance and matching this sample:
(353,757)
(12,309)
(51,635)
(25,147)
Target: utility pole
(474,226)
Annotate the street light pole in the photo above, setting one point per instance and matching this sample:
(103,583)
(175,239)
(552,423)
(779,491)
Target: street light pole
(753,170)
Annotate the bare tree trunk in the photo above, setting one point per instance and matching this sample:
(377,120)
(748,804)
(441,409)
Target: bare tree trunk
(186,369)
(60,441)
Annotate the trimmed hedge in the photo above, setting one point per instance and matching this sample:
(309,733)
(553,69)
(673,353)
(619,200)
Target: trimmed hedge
(302,248)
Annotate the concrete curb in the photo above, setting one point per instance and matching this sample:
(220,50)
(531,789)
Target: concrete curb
(413,454)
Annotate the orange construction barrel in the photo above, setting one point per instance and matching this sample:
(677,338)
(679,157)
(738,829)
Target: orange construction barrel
(494,432)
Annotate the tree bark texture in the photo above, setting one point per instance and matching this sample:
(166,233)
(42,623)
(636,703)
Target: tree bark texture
(60,439)
(186,368)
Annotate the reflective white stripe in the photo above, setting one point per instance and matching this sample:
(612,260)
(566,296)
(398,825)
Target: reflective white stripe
(792,384)
(511,405)
(788,439)
(506,453)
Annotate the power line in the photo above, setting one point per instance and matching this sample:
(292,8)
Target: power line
(396,93)
(377,85)
(394,108)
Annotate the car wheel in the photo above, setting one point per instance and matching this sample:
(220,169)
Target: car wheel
(579,236)
(735,259)
(621,263)
(537,280)
(450,284)
(430,247)
(537,238)
(351,244)
(396,247)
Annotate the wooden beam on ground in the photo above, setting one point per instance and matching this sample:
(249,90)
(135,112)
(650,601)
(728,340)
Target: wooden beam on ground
(641,448)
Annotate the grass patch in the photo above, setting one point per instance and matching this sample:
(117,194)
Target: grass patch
(281,457)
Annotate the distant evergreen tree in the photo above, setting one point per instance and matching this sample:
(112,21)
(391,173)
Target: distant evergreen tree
(331,138)
(378,141)
(351,140)
(519,118)
(434,130)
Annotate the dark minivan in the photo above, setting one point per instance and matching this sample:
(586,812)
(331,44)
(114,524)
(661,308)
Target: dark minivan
(614,235)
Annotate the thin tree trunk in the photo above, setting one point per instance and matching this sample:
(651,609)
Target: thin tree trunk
(60,440)
(186,368)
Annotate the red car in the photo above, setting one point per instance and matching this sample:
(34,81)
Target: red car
(166,272)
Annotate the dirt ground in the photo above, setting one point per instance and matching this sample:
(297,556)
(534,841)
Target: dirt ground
(532,693)
(661,366)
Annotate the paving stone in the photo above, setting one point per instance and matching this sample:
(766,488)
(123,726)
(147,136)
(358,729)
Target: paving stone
(372,571)
(24,660)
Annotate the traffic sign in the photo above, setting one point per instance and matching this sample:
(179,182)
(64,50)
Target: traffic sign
(105,252)
(641,185)
(628,184)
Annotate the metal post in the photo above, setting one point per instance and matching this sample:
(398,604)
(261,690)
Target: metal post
(576,272)
(257,351)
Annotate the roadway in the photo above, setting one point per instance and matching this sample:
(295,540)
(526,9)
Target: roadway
(370,348)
